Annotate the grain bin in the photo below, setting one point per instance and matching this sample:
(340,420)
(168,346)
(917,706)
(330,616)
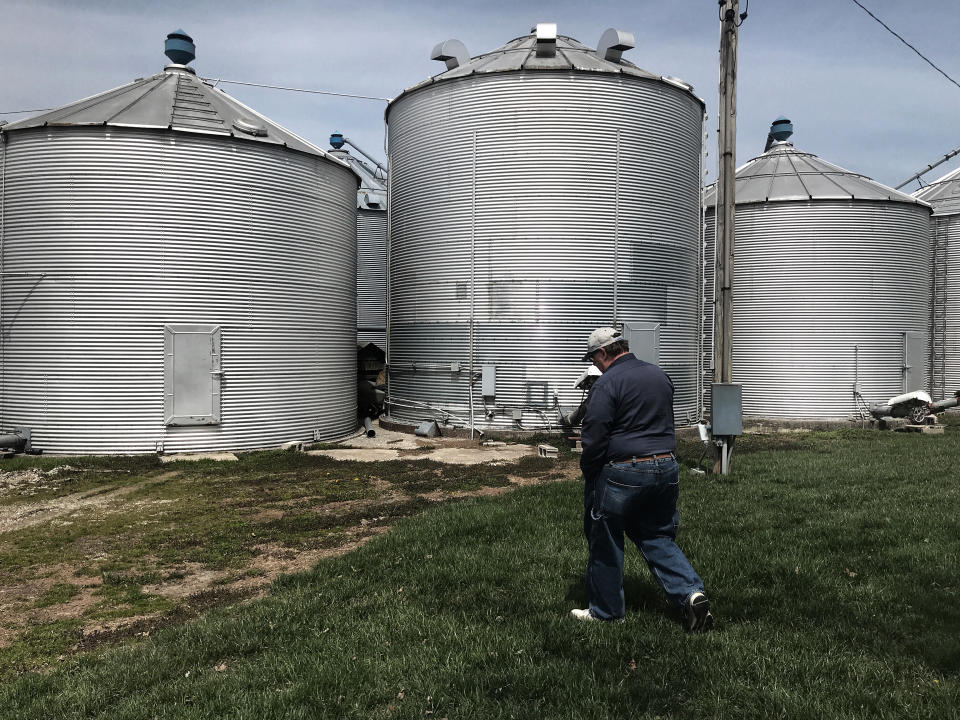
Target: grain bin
(831,301)
(944,196)
(537,192)
(177,272)
(371,246)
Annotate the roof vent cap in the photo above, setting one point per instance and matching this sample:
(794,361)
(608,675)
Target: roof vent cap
(780,130)
(613,43)
(546,39)
(336,140)
(180,48)
(452,52)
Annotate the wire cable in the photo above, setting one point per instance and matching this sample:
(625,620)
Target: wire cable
(892,32)
(217,81)
(18,112)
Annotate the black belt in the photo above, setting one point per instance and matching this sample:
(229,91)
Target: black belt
(645,458)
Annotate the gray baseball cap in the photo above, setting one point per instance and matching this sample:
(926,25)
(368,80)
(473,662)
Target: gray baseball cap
(600,338)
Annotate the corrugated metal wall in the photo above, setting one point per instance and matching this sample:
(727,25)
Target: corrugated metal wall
(110,235)
(823,294)
(527,209)
(372,277)
(947,228)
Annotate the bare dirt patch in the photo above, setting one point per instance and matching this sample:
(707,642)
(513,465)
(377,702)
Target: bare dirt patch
(17,517)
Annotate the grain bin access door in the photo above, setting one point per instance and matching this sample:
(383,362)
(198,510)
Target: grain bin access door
(914,357)
(192,374)
(643,339)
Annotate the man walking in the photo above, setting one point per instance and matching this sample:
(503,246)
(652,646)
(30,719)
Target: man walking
(632,483)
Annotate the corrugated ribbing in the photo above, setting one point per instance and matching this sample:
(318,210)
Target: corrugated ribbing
(541,205)
(110,235)
(948,228)
(824,291)
(372,277)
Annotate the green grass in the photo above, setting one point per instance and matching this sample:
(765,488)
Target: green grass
(831,559)
(57,595)
(206,516)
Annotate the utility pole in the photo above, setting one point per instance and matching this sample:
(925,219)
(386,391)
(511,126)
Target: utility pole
(725,216)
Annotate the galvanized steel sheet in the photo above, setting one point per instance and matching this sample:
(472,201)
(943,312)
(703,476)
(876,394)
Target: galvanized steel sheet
(111,234)
(372,277)
(527,209)
(824,291)
(947,228)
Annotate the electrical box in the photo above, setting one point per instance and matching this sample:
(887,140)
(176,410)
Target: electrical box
(726,409)
(643,339)
(488,380)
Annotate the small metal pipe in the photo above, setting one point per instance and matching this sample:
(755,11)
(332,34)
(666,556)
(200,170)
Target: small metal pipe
(12,441)
(367,155)
(941,405)
(368,426)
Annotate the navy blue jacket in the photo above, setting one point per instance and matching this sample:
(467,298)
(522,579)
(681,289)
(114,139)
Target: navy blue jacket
(629,413)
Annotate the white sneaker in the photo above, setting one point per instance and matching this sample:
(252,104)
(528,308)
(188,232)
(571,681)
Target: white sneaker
(696,612)
(584,614)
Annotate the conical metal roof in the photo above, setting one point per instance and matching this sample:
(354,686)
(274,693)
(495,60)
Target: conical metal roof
(943,194)
(522,53)
(784,174)
(175,99)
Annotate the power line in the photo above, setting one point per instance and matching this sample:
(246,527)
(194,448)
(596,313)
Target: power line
(892,32)
(17,112)
(216,81)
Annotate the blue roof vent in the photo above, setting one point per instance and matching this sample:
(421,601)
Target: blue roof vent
(180,48)
(336,140)
(780,130)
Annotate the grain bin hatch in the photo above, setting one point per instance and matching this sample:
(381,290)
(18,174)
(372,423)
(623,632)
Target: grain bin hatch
(643,339)
(192,374)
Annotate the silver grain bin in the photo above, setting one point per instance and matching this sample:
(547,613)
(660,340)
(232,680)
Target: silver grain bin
(371,246)
(537,192)
(944,196)
(831,300)
(178,272)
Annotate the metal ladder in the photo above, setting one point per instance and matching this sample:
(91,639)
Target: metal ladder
(938,344)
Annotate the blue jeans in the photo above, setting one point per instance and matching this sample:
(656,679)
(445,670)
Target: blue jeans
(639,500)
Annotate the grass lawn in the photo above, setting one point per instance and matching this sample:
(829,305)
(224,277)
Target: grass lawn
(831,559)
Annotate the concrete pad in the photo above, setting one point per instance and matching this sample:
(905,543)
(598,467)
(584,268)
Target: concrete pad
(476,456)
(360,454)
(389,444)
(385,439)
(221,456)
(448,455)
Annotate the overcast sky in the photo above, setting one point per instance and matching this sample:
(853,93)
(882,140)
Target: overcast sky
(856,95)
